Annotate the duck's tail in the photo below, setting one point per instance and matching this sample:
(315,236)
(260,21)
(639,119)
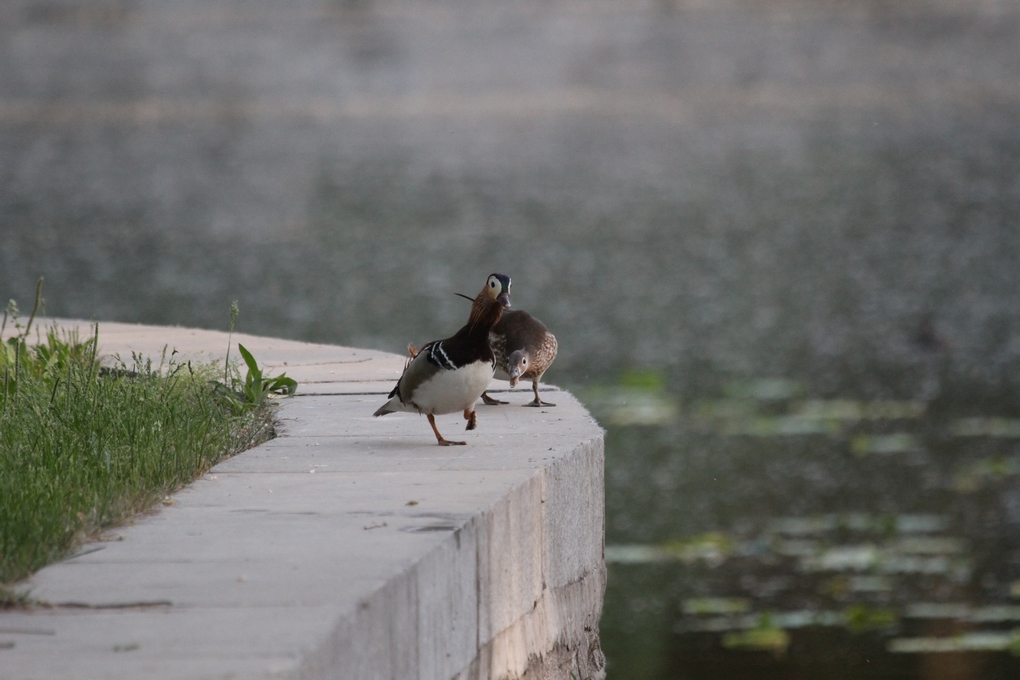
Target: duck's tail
(392,406)
(384,409)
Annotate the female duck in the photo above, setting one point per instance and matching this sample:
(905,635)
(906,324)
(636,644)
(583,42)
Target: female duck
(524,348)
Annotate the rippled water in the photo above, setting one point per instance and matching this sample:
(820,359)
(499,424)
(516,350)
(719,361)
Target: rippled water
(765,530)
(777,243)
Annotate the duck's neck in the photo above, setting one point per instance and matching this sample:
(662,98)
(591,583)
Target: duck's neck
(485,313)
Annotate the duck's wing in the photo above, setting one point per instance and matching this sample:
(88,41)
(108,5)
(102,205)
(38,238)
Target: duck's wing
(497,343)
(417,371)
(549,347)
(524,331)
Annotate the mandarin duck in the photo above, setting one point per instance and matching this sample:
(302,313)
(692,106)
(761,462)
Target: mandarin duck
(449,375)
(524,348)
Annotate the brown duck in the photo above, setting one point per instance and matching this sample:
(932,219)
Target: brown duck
(524,348)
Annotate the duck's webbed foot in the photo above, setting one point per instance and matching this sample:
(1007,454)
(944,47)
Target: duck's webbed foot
(538,400)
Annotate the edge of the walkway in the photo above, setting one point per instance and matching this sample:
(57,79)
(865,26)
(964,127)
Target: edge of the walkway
(347,547)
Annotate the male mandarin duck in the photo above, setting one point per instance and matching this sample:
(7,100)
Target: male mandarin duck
(524,348)
(449,375)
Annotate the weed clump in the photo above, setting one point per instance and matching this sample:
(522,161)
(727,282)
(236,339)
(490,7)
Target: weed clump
(83,446)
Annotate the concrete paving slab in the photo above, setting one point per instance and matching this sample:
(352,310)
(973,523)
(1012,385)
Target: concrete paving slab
(499,389)
(349,546)
(168,643)
(364,452)
(572,498)
(331,415)
(452,569)
(513,571)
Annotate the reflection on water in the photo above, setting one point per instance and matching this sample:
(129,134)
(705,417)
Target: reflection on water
(818,537)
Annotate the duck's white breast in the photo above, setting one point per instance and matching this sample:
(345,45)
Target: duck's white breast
(452,391)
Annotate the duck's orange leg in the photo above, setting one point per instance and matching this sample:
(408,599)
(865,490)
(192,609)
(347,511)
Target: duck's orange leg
(439,437)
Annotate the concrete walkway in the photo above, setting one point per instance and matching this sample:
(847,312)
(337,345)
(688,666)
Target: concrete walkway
(348,547)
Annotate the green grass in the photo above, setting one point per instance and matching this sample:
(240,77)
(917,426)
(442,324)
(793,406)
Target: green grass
(82,447)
